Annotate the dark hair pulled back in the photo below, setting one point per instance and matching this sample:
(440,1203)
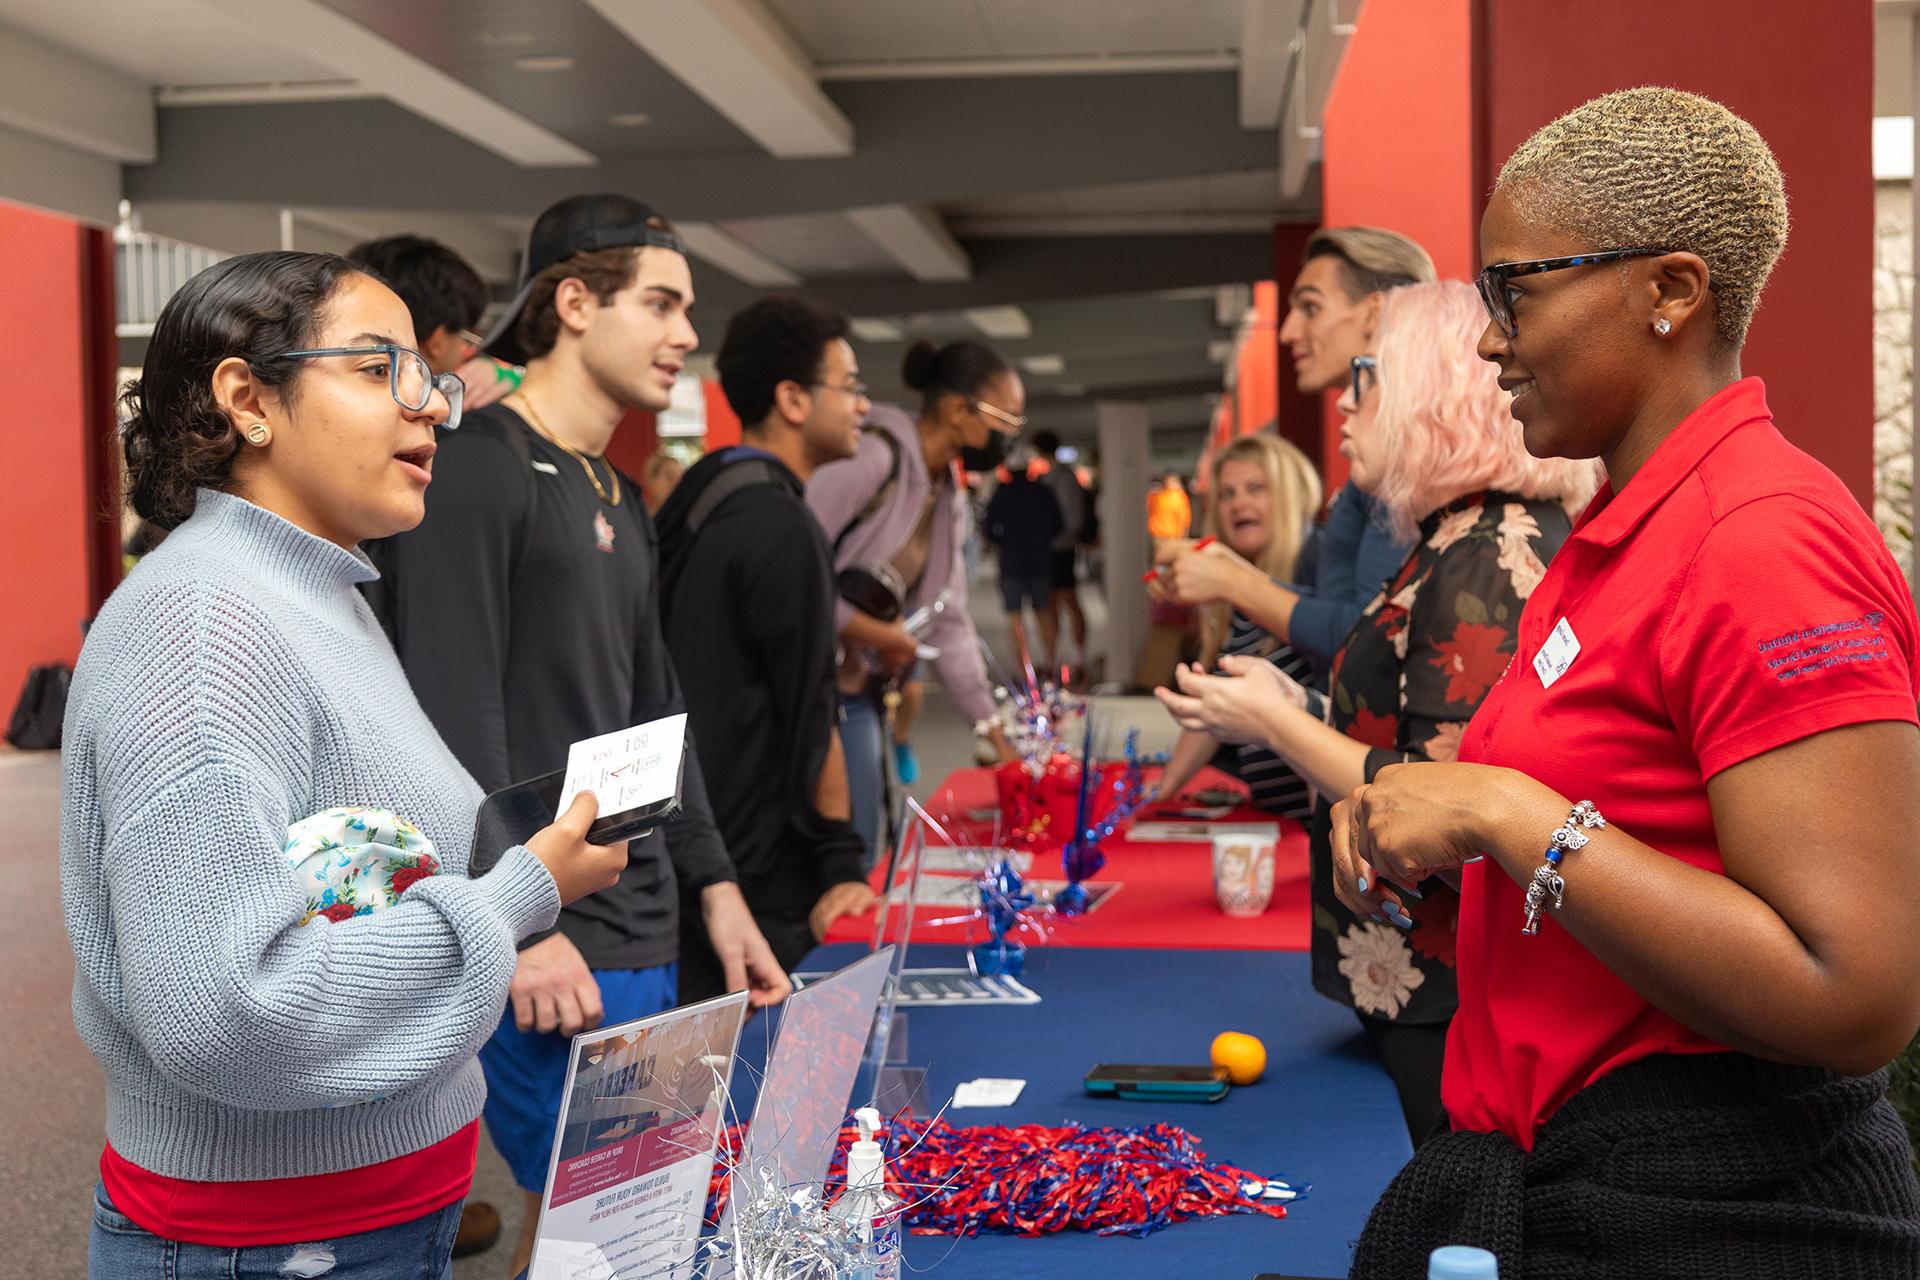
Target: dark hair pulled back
(959,369)
(176,437)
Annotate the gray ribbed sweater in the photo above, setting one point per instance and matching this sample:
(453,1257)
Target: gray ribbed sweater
(234,684)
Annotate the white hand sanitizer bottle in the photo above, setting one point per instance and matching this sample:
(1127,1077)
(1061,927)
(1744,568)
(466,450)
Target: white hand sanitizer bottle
(866,1202)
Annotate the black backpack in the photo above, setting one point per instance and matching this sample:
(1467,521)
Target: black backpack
(35,725)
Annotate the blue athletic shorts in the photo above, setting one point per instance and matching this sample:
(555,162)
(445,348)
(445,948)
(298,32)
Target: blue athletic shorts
(527,1070)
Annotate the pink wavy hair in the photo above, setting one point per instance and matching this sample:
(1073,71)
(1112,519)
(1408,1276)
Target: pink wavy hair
(1446,428)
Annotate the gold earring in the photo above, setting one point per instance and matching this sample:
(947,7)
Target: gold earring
(257,433)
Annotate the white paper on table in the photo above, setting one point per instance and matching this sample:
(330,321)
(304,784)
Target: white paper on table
(988,1092)
(1199,832)
(627,768)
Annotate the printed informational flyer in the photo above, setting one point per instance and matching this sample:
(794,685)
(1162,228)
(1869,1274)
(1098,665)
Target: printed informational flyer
(635,1144)
(627,768)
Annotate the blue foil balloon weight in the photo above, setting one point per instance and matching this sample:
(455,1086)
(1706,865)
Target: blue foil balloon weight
(1003,899)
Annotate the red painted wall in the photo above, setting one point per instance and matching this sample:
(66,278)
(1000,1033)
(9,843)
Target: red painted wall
(1397,133)
(1802,75)
(723,424)
(45,519)
(634,441)
(1397,146)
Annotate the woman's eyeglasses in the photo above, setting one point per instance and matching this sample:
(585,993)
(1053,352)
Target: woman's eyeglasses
(1362,373)
(1012,420)
(410,380)
(1492,282)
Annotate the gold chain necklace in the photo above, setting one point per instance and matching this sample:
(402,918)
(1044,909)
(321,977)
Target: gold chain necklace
(539,425)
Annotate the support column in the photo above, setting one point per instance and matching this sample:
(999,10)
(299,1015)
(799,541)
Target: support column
(1124,454)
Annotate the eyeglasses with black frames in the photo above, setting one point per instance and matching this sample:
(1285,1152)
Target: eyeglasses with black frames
(1362,374)
(1492,282)
(411,381)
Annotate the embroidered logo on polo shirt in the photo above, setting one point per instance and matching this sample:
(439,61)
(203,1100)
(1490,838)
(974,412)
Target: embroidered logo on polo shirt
(603,532)
(1806,651)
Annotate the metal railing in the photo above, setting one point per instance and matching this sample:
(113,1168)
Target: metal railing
(148,269)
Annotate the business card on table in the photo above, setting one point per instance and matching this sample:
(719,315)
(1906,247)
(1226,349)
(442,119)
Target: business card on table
(627,768)
(988,1092)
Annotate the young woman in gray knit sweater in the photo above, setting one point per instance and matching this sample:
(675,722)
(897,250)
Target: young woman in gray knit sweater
(289,1090)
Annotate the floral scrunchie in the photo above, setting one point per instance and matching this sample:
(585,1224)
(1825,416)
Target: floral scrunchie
(355,861)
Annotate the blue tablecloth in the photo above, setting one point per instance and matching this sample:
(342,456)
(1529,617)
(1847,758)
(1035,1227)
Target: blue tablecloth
(1325,1113)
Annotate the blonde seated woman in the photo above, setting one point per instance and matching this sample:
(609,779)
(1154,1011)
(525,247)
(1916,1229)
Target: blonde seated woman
(1429,432)
(1264,496)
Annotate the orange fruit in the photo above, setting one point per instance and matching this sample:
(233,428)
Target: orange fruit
(1242,1055)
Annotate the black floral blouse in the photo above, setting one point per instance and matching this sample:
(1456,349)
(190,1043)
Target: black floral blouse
(1405,681)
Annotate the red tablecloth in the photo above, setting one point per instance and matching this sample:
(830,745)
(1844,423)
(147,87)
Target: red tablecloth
(1166,895)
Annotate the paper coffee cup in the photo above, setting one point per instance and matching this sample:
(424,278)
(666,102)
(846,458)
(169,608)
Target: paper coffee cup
(1242,873)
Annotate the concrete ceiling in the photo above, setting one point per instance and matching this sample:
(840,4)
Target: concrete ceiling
(1100,165)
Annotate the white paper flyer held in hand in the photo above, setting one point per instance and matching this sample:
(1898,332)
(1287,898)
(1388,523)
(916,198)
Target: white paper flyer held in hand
(627,768)
(633,1151)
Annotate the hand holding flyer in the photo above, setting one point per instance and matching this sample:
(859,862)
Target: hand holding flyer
(627,768)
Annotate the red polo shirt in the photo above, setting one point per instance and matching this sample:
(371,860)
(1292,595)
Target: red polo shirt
(1732,599)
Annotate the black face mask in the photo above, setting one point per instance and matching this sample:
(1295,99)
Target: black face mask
(989,455)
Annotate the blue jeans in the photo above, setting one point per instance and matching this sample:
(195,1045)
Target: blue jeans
(863,738)
(421,1249)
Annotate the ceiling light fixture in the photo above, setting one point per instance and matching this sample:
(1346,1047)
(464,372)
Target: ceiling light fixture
(630,120)
(505,39)
(543,62)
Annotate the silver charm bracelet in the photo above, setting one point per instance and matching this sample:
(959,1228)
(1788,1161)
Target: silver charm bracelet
(1546,882)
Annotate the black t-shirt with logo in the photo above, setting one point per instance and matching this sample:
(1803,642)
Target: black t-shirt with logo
(525,611)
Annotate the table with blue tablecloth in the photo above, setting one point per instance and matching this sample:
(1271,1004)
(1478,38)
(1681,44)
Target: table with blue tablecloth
(1325,1113)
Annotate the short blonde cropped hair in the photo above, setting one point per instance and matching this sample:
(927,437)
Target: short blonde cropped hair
(1446,428)
(1661,169)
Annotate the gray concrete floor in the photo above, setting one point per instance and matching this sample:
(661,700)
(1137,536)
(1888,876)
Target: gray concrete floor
(51,1113)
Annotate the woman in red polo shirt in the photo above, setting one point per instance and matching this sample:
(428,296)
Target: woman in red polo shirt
(1686,838)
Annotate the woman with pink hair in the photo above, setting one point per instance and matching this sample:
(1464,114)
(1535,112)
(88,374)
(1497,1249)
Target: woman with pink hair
(1428,431)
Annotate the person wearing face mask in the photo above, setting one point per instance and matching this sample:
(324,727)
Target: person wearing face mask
(1333,311)
(895,515)
(1683,823)
(525,608)
(1264,494)
(746,587)
(1428,433)
(276,1073)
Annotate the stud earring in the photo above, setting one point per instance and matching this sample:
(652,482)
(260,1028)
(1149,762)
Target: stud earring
(257,433)
(1663,326)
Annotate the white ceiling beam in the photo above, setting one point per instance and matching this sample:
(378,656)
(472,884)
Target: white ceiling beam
(59,179)
(51,93)
(737,56)
(260,94)
(1002,323)
(1022,226)
(391,72)
(1324,36)
(1092,64)
(916,238)
(716,248)
(1267,30)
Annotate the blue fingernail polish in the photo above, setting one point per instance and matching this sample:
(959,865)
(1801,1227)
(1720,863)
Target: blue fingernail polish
(1415,894)
(1404,921)
(1362,884)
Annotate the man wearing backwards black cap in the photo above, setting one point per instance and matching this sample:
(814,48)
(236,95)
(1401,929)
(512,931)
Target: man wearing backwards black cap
(525,610)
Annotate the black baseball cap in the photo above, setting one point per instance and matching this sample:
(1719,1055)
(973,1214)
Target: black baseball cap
(578,224)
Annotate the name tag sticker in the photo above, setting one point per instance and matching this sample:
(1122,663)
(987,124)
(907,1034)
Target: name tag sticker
(1557,654)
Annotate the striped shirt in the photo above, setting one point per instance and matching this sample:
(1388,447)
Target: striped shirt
(1276,788)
